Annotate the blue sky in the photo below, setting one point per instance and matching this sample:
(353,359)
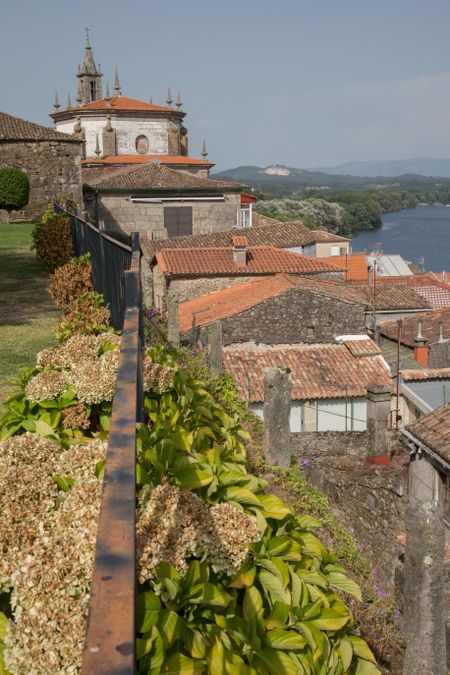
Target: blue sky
(297,82)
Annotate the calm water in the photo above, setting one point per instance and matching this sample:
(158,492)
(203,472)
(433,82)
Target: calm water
(423,232)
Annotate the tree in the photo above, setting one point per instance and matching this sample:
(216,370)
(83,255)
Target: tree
(14,189)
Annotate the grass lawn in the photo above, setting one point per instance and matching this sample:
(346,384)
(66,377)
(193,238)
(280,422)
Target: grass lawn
(28,318)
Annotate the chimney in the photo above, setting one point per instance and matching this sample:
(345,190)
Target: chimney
(240,252)
(420,346)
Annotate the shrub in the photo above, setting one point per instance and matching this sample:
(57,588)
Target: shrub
(70,281)
(52,239)
(14,189)
(87,315)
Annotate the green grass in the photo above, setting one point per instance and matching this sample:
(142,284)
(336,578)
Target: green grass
(28,318)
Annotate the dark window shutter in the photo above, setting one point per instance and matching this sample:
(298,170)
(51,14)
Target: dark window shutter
(178,220)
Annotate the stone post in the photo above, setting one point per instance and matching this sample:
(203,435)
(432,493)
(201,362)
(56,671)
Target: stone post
(173,324)
(215,349)
(277,408)
(424,591)
(378,437)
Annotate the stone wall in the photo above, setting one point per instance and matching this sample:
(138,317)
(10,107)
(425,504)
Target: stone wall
(53,168)
(118,211)
(320,444)
(293,317)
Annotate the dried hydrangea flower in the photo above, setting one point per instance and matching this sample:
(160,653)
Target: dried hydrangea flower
(175,525)
(95,381)
(51,356)
(47,384)
(157,377)
(80,348)
(108,338)
(75,417)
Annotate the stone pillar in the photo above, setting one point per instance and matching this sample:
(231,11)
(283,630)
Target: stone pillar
(378,438)
(215,348)
(173,324)
(424,591)
(277,408)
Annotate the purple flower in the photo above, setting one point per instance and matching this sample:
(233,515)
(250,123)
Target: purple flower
(397,615)
(376,572)
(380,592)
(305,462)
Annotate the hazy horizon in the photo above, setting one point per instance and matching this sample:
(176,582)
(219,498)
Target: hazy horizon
(297,83)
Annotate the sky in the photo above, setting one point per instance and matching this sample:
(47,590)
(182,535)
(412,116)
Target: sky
(303,83)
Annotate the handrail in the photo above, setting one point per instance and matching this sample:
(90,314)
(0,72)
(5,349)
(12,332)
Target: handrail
(111,628)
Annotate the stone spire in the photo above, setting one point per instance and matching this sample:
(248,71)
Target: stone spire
(117,89)
(204,150)
(169,100)
(69,101)
(178,102)
(56,101)
(79,92)
(89,75)
(107,95)
(97,146)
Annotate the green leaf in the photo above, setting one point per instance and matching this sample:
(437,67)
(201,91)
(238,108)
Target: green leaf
(342,582)
(274,507)
(285,639)
(209,594)
(169,627)
(364,667)
(241,495)
(148,607)
(273,585)
(329,620)
(3,670)
(105,422)
(44,429)
(184,665)
(276,661)
(64,483)
(361,648)
(306,522)
(279,616)
(192,477)
(253,605)
(244,578)
(216,659)
(3,626)
(345,652)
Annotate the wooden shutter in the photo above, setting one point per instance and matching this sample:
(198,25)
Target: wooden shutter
(178,220)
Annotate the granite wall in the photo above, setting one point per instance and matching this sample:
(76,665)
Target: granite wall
(53,168)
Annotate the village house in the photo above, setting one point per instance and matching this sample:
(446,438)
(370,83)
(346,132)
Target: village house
(329,381)
(190,272)
(51,160)
(277,310)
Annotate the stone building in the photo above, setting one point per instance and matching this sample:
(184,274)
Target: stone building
(118,130)
(283,309)
(329,381)
(51,160)
(190,272)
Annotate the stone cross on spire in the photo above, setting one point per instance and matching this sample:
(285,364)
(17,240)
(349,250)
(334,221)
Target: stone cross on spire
(89,76)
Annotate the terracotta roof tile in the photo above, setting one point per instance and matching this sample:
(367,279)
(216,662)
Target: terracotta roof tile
(392,297)
(433,431)
(361,345)
(318,371)
(142,159)
(322,236)
(281,235)
(426,374)
(240,242)
(259,219)
(355,264)
(153,177)
(119,103)
(430,326)
(16,129)
(236,299)
(217,261)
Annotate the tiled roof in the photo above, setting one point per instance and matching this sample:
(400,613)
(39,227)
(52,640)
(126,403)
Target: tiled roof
(322,236)
(154,177)
(426,374)
(436,293)
(217,261)
(259,219)
(235,299)
(401,297)
(430,326)
(281,235)
(356,266)
(142,159)
(118,103)
(360,345)
(16,129)
(433,431)
(318,371)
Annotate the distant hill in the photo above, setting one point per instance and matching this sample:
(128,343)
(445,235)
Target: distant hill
(390,168)
(286,181)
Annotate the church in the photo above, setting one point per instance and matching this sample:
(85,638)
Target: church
(137,171)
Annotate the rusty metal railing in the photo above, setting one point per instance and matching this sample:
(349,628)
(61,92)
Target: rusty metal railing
(111,628)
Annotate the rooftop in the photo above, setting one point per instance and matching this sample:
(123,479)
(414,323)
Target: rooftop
(238,298)
(151,176)
(178,160)
(220,261)
(426,374)
(355,264)
(392,297)
(436,293)
(122,103)
(430,327)
(318,370)
(16,129)
(433,431)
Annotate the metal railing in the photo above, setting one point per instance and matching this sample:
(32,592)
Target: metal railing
(110,258)
(111,627)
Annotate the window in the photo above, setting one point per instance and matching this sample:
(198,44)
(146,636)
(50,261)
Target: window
(178,220)
(341,414)
(245,215)
(142,145)
(335,250)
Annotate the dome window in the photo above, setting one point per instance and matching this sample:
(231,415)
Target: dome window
(142,145)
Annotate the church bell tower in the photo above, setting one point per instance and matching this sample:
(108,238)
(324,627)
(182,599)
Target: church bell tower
(89,76)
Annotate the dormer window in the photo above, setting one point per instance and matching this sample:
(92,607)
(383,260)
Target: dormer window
(142,145)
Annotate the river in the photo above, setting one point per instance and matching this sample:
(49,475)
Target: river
(421,235)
